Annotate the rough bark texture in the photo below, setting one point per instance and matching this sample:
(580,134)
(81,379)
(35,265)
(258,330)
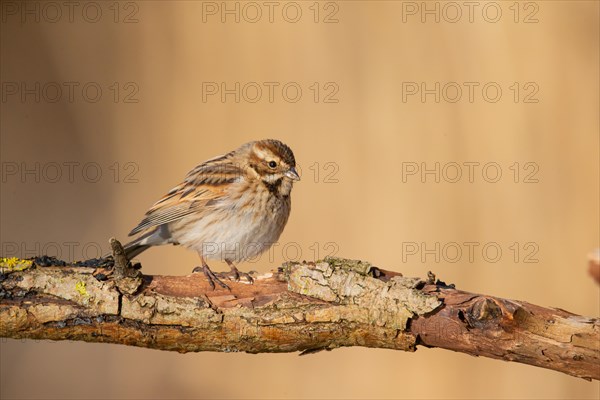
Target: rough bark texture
(300,307)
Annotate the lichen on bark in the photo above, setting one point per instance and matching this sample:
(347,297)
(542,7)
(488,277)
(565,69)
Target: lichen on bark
(364,299)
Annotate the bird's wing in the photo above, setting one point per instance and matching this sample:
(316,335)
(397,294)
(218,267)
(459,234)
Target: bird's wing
(204,185)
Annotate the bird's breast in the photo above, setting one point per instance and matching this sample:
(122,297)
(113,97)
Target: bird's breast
(240,226)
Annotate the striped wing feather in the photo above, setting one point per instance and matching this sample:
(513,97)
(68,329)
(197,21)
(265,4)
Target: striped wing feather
(205,183)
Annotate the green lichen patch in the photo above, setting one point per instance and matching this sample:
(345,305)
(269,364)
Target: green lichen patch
(12,264)
(80,287)
(361,267)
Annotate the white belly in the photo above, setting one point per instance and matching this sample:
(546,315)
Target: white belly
(226,234)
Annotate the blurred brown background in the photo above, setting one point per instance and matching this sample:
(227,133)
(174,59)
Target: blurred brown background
(115,102)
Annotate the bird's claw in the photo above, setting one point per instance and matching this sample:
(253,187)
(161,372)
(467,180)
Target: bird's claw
(211,277)
(234,275)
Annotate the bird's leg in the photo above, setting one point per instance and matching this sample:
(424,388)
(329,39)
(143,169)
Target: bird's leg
(234,273)
(210,276)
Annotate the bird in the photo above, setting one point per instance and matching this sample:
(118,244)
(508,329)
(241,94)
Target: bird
(230,208)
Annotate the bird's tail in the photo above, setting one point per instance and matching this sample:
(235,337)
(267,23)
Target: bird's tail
(134,248)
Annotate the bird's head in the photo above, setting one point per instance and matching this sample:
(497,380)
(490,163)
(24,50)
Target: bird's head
(273,161)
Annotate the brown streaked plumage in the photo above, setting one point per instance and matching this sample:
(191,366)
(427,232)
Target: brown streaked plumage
(231,208)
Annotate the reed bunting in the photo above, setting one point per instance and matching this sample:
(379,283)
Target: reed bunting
(230,208)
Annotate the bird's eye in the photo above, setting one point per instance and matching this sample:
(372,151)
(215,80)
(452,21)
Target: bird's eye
(272,164)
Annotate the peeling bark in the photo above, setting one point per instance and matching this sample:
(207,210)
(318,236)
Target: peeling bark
(300,307)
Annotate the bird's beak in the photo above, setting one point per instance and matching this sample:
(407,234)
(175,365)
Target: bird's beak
(292,174)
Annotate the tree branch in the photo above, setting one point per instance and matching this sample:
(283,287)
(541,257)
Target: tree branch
(300,307)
